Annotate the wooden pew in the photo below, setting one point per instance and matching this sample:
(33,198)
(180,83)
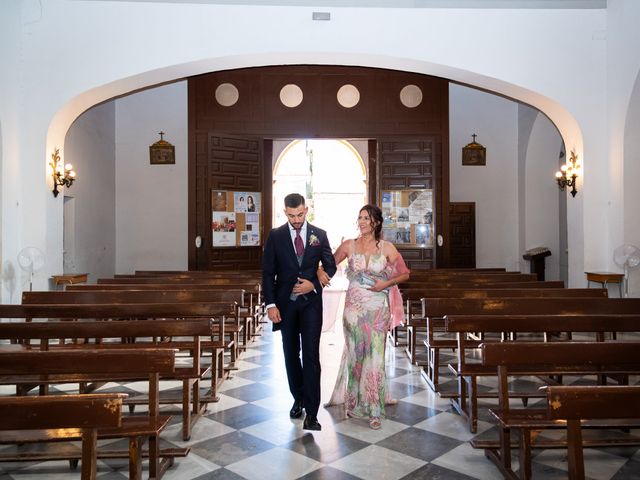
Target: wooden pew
(575,404)
(412,291)
(252,288)
(430,284)
(493,277)
(65,417)
(224,272)
(244,283)
(544,359)
(194,322)
(466,400)
(414,298)
(256,273)
(240,326)
(19,366)
(434,309)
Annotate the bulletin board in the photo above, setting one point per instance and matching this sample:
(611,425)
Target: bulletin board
(408,217)
(235,218)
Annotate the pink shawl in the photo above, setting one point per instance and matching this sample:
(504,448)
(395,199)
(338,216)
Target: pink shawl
(396,305)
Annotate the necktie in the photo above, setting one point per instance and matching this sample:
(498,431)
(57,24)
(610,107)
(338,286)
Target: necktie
(298,244)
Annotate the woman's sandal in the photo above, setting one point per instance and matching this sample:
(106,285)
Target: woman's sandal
(374,423)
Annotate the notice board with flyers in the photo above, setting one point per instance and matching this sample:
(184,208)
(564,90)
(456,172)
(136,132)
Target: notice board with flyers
(235,218)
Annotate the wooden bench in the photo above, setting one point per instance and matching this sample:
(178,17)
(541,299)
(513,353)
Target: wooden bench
(240,326)
(254,291)
(245,283)
(65,418)
(244,274)
(73,366)
(145,332)
(545,359)
(481,277)
(412,293)
(414,300)
(466,397)
(575,404)
(434,309)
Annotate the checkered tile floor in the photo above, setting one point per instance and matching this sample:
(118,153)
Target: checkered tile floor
(249,435)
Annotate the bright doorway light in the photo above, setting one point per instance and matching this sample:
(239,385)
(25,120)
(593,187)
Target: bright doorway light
(332,177)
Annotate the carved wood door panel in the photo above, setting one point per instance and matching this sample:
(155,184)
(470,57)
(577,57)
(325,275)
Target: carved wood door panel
(462,234)
(229,163)
(412,163)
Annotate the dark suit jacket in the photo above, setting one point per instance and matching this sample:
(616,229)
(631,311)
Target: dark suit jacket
(280,269)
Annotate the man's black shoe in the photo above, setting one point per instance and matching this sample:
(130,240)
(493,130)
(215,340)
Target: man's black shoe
(296,410)
(311,423)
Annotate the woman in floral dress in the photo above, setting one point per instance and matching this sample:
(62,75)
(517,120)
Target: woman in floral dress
(372,305)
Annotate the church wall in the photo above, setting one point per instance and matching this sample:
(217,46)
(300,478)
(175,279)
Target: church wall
(632,184)
(542,195)
(90,147)
(151,200)
(492,187)
(523,53)
(624,117)
(11,236)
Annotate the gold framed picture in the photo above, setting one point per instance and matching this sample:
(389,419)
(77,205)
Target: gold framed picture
(474,153)
(162,152)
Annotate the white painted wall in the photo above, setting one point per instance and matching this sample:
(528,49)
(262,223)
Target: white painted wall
(542,194)
(632,183)
(11,138)
(526,54)
(623,103)
(494,187)
(151,200)
(90,147)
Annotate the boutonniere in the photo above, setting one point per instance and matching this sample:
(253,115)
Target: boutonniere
(313,240)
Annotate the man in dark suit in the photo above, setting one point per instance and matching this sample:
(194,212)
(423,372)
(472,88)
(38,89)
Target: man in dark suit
(293,295)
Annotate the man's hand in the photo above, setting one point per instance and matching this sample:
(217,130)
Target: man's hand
(274,314)
(323,277)
(303,287)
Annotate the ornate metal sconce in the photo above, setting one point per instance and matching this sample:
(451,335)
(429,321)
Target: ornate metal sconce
(568,174)
(63,175)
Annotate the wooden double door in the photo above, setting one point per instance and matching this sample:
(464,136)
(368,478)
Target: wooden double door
(231,148)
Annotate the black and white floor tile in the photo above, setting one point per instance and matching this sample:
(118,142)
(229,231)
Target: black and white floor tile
(249,435)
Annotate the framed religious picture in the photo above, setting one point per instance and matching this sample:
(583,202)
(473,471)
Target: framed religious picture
(162,152)
(474,153)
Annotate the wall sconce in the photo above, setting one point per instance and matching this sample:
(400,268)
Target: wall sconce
(568,174)
(63,175)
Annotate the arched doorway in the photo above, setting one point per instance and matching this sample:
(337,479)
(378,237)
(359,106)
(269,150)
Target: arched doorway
(332,177)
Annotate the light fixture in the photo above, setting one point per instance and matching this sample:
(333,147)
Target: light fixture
(63,175)
(568,174)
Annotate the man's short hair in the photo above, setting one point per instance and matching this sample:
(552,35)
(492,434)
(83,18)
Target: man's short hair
(293,200)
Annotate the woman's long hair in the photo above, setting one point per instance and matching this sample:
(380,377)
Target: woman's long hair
(375,215)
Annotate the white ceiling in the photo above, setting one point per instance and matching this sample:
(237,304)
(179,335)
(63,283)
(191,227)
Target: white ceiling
(523,4)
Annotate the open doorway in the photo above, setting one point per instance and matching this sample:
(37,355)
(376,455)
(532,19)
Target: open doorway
(332,177)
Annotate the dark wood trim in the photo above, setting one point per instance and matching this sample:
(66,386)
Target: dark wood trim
(372,181)
(191,181)
(267,187)
(443,254)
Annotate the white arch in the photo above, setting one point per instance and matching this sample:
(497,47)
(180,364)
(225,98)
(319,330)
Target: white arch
(74,107)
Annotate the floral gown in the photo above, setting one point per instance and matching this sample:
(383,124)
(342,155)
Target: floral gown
(361,383)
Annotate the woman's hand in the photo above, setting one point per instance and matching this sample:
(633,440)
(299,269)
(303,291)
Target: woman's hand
(379,286)
(323,278)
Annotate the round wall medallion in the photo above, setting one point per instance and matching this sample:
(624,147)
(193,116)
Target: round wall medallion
(291,95)
(227,94)
(348,96)
(411,96)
